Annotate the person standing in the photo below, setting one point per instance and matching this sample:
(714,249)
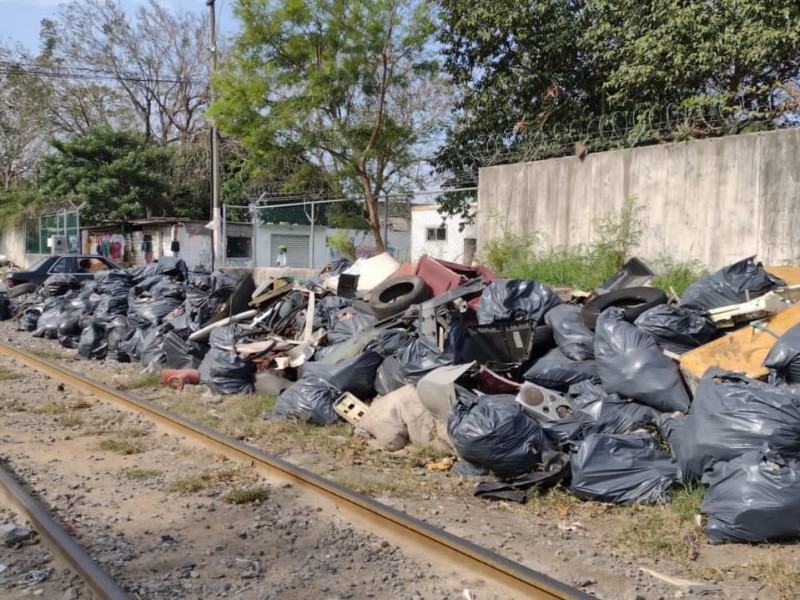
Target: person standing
(281,260)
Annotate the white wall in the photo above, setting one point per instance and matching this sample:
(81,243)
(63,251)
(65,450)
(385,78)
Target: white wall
(424,217)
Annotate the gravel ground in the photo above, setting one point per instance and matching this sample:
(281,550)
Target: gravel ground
(196,545)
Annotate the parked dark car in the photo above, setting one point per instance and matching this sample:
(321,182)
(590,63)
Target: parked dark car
(82,266)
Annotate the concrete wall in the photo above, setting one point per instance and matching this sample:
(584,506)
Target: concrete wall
(12,245)
(715,200)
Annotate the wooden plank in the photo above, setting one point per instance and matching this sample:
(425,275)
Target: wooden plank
(791,275)
(743,350)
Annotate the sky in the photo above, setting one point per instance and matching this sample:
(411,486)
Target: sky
(19,19)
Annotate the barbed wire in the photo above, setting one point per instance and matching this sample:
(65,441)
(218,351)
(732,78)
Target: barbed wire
(11,68)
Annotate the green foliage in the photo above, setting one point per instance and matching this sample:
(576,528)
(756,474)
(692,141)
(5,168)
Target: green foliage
(116,175)
(677,276)
(341,243)
(323,85)
(540,73)
(584,266)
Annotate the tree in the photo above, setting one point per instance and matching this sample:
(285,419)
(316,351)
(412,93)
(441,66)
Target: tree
(157,60)
(326,81)
(113,175)
(728,53)
(536,77)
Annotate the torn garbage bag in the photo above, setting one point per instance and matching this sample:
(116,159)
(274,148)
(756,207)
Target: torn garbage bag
(516,300)
(730,285)
(623,469)
(222,370)
(347,324)
(557,372)
(677,328)
(631,364)
(495,432)
(753,498)
(574,339)
(554,469)
(733,414)
(783,359)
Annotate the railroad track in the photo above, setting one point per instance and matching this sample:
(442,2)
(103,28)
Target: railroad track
(406,531)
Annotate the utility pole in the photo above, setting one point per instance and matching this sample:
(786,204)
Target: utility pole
(216,256)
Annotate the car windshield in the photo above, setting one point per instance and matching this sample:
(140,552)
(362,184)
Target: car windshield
(38,263)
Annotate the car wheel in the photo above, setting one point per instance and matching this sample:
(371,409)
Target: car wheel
(393,296)
(22,288)
(633,302)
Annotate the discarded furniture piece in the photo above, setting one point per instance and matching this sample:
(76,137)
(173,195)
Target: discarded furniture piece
(791,275)
(743,350)
(633,273)
(770,303)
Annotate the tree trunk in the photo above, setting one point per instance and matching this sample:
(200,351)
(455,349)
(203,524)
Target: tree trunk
(374,217)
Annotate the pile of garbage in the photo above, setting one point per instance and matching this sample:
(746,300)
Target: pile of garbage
(620,394)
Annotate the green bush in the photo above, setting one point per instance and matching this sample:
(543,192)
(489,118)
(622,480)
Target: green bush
(586,266)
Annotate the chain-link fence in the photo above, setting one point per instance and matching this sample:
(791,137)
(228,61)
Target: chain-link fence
(311,234)
(55,233)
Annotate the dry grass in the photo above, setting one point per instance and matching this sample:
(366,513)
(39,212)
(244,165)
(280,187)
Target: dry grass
(7,374)
(122,446)
(211,478)
(70,421)
(46,354)
(50,408)
(142,380)
(140,474)
(664,532)
(247,495)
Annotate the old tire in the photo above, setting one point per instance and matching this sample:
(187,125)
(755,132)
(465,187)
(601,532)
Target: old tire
(23,288)
(633,302)
(393,296)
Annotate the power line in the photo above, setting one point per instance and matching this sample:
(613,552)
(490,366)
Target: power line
(88,74)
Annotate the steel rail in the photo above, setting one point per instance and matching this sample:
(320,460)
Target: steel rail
(468,556)
(92,574)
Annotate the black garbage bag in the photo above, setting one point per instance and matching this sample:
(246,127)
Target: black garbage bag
(356,375)
(325,310)
(82,302)
(569,430)
(671,427)
(92,343)
(145,312)
(783,359)
(183,354)
(30,319)
(131,344)
(677,328)
(410,363)
(389,341)
(5,307)
(611,413)
(495,432)
(631,364)
(516,300)
(59,284)
(310,400)
(151,349)
(69,329)
(118,328)
(113,283)
(753,498)
(557,372)
(222,370)
(47,325)
(166,265)
(730,285)
(623,469)
(108,308)
(347,324)
(733,414)
(573,337)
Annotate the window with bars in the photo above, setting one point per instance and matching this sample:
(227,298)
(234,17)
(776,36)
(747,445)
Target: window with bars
(436,234)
